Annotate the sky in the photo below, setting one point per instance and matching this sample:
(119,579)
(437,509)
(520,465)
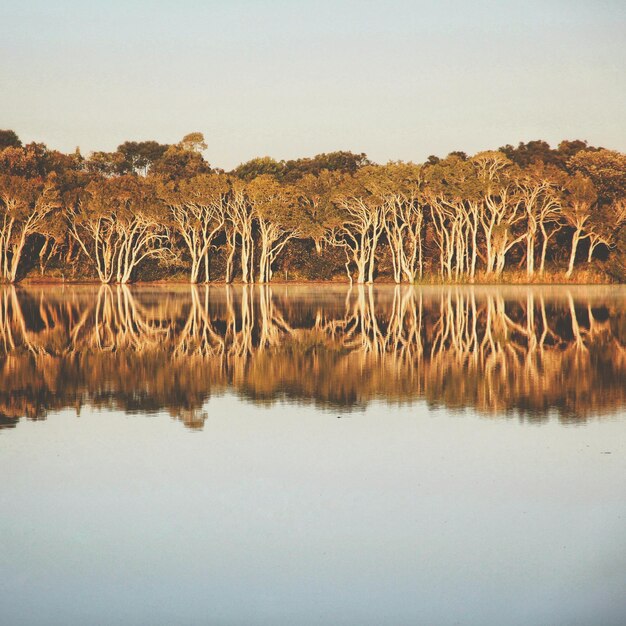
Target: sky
(398,79)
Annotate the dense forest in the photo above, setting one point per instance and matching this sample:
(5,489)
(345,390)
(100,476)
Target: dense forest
(150,211)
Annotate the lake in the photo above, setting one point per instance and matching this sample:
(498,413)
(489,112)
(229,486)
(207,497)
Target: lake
(312,455)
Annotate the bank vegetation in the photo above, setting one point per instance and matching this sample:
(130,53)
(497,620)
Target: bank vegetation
(150,211)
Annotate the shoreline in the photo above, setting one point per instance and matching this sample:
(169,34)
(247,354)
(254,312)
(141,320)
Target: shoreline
(303,282)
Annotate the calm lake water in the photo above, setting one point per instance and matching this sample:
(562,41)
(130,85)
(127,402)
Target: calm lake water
(313,455)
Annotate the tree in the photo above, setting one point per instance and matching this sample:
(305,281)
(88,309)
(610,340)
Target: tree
(340,161)
(240,223)
(316,204)
(568,148)
(118,223)
(24,205)
(453,192)
(178,163)
(537,151)
(182,160)
(274,207)
(9,139)
(106,164)
(500,210)
(30,161)
(580,198)
(139,156)
(539,189)
(607,171)
(198,209)
(193,142)
(399,185)
(358,224)
(260,166)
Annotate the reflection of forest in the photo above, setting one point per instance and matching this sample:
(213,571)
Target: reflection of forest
(147,349)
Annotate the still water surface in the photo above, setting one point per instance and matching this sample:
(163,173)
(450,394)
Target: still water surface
(312,455)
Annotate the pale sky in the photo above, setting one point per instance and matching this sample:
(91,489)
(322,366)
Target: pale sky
(398,79)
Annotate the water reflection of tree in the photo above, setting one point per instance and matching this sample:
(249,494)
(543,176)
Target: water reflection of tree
(149,350)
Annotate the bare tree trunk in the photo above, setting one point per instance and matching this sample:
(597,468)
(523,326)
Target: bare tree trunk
(207,267)
(530,254)
(572,257)
(231,256)
(544,249)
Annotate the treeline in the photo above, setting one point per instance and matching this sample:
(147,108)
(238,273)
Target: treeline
(153,211)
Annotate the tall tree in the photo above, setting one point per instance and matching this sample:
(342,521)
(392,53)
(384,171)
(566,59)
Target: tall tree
(539,189)
(607,171)
(240,224)
(359,223)
(399,186)
(501,207)
(580,200)
(24,205)
(118,223)
(198,210)
(455,195)
(275,209)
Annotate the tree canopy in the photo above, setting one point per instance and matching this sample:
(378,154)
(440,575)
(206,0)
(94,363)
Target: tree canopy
(154,210)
